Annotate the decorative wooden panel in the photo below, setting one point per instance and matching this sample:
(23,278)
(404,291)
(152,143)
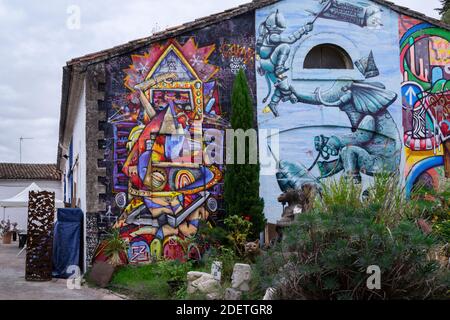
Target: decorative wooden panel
(41,214)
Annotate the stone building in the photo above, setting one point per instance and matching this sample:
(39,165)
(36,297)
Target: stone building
(344,86)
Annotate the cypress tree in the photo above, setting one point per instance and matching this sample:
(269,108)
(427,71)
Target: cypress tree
(445,11)
(241,190)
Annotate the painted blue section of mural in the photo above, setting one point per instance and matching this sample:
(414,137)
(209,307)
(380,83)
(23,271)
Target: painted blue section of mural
(420,168)
(330,121)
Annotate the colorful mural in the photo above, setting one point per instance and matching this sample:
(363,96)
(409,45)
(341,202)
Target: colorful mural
(425,66)
(166,112)
(331,121)
(167,188)
(167,102)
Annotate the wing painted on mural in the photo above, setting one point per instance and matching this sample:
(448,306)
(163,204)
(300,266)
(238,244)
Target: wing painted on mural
(371,97)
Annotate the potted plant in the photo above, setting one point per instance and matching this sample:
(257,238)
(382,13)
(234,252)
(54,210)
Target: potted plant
(5,227)
(112,253)
(116,249)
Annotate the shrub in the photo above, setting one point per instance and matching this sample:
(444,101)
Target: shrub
(225,255)
(150,281)
(116,248)
(434,205)
(238,231)
(174,270)
(325,254)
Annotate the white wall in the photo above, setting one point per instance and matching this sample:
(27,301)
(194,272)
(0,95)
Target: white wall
(79,152)
(79,166)
(9,188)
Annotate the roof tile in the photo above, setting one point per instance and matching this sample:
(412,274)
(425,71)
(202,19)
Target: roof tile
(29,171)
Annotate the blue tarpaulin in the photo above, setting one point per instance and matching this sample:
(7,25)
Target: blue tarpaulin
(66,242)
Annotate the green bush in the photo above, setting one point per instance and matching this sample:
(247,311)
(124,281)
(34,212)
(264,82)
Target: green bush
(434,206)
(442,230)
(225,255)
(141,282)
(326,253)
(150,281)
(238,232)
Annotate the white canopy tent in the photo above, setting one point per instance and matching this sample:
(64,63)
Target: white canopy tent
(20,200)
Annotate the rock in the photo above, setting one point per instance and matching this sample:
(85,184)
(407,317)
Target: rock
(232,294)
(214,296)
(270,294)
(216,270)
(241,277)
(101,273)
(202,282)
(424,226)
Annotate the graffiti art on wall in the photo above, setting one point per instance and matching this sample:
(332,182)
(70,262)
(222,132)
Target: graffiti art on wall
(239,57)
(167,102)
(425,66)
(336,121)
(157,140)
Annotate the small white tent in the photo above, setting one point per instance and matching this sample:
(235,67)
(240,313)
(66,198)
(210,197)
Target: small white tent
(20,200)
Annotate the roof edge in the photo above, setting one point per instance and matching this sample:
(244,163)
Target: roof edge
(65,88)
(171,32)
(39,171)
(99,56)
(412,13)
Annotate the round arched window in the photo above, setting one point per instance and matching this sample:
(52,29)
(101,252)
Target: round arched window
(327,56)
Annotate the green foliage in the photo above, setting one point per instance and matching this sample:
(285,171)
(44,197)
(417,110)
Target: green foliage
(241,191)
(434,206)
(213,236)
(225,255)
(238,231)
(325,254)
(384,198)
(442,230)
(115,246)
(445,11)
(174,270)
(150,281)
(141,282)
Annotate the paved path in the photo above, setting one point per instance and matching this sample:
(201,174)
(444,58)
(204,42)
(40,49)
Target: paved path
(14,287)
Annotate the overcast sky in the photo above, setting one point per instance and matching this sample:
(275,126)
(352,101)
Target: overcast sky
(35,43)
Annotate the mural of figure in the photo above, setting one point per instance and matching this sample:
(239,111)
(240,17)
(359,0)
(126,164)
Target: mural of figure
(331,120)
(374,144)
(273,49)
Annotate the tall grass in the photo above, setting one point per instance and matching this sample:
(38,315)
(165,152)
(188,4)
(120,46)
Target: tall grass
(326,253)
(385,198)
